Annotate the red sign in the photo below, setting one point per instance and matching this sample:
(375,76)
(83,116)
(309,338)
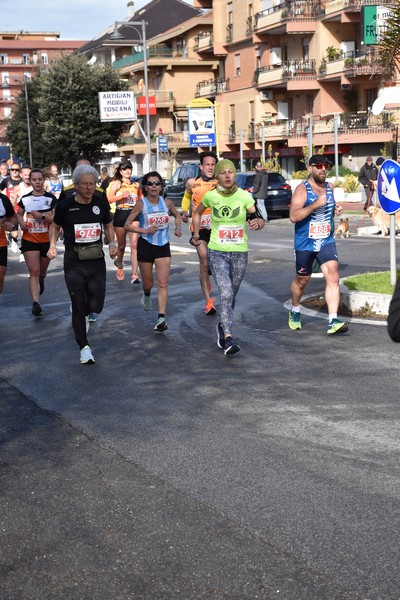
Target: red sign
(142,105)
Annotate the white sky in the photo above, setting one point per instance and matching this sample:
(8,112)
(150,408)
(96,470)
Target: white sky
(73,19)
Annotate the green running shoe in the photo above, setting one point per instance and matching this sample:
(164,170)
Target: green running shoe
(294,320)
(336,326)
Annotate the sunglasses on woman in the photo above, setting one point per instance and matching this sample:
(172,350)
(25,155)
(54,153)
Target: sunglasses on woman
(153,183)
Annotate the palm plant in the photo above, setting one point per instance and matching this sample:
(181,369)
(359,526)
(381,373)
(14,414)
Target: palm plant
(389,46)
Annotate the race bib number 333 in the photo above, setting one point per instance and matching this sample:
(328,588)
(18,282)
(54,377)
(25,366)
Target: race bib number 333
(87,232)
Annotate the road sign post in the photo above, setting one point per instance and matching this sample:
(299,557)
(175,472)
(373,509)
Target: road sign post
(389,199)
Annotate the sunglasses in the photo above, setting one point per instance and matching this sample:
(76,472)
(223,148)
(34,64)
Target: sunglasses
(153,183)
(14,170)
(322,166)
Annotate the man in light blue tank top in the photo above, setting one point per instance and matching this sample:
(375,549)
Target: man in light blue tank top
(312,210)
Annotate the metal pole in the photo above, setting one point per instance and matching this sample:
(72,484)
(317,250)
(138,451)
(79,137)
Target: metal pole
(241,150)
(263,142)
(146,83)
(392,249)
(310,126)
(216,129)
(28,122)
(335,135)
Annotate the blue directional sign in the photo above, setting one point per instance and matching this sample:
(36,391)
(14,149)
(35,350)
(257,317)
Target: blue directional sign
(388,186)
(162,141)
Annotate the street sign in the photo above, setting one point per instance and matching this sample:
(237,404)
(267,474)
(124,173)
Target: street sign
(201,122)
(388,186)
(162,141)
(117,106)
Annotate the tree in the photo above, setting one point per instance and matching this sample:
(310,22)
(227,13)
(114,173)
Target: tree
(64,113)
(389,46)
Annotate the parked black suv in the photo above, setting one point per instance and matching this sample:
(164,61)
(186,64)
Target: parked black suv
(175,187)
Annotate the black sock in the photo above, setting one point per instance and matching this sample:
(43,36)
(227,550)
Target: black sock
(161,316)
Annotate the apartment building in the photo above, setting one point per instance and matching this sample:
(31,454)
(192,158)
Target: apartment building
(273,70)
(284,62)
(22,53)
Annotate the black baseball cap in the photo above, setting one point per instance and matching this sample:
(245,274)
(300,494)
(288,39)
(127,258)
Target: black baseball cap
(319,158)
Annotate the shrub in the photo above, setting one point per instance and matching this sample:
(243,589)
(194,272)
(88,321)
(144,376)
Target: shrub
(351,184)
(300,174)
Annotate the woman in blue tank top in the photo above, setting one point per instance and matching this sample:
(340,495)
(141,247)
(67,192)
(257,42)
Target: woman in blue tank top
(150,219)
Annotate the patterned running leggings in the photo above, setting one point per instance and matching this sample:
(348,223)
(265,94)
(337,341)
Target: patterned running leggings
(228,269)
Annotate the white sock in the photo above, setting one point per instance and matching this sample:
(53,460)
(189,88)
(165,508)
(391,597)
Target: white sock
(332,316)
(296,309)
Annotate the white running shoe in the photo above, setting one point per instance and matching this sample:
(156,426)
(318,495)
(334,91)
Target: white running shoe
(21,258)
(87,356)
(14,246)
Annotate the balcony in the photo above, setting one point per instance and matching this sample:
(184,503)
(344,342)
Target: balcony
(212,87)
(299,16)
(351,64)
(249,25)
(232,132)
(291,74)
(204,42)
(229,32)
(335,7)
(138,57)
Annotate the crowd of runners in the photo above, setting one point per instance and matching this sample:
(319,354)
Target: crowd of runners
(37,213)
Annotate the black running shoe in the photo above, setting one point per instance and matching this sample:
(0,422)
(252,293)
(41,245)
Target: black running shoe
(230,347)
(37,309)
(41,285)
(220,336)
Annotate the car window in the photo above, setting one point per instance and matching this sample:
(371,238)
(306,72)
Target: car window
(275,178)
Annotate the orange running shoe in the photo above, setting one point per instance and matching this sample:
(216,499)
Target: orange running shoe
(210,308)
(120,275)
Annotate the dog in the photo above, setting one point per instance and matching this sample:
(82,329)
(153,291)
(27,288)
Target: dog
(342,230)
(382,219)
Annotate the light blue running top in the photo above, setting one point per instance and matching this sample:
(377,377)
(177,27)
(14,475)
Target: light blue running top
(155,215)
(316,230)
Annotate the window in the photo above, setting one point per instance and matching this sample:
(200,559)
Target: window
(3,59)
(258,58)
(230,13)
(6,94)
(5,77)
(7,112)
(306,49)
(26,59)
(237,65)
(44,58)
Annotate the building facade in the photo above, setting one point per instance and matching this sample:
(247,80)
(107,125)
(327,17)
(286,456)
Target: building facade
(21,55)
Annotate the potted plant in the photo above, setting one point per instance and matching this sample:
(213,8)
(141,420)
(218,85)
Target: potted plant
(333,53)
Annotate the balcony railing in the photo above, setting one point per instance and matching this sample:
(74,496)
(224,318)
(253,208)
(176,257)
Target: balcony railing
(232,131)
(249,25)
(301,69)
(212,87)
(297,9)
(352,5)
(203,41)
(353,63)
(356,122)
(229,32)
(137,57)
(294,68)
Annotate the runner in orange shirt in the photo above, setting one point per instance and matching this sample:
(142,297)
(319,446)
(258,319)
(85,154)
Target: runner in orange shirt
(195,190)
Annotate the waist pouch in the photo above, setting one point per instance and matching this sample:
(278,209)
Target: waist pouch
(89,251)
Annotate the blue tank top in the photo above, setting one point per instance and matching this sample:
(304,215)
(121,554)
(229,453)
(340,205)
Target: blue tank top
(155,215)
(55,187)
(316,230)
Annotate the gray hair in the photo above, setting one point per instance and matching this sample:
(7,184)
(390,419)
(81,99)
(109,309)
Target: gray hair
(84,170)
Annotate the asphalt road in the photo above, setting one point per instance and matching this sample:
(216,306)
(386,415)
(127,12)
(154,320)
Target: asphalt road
(169,471)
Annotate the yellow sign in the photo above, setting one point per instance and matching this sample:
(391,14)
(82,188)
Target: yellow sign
(200,103)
